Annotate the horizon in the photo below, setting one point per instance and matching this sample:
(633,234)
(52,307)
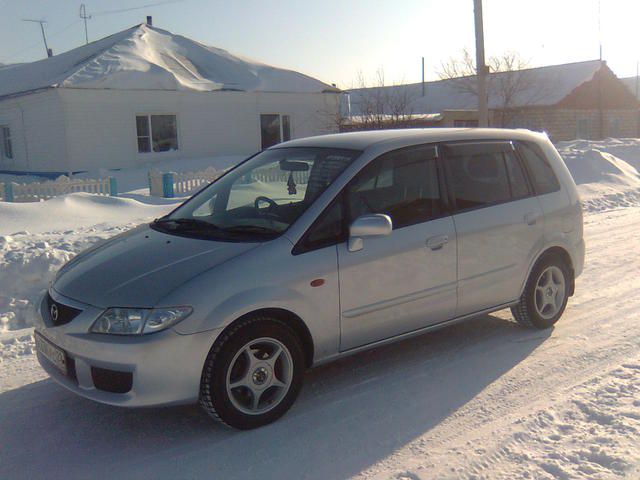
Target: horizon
(354,47)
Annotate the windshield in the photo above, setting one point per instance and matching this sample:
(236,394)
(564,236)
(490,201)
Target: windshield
(260,198)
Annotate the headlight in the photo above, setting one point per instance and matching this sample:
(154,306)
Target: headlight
(138,321)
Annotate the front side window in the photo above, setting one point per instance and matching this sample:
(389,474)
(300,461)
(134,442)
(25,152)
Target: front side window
(327,229)
(262,197)
(543,176)
(402,184)
(484,174)
(274,129)
(7,146)
(157,133)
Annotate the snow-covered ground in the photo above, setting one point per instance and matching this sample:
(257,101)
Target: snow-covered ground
(484,399)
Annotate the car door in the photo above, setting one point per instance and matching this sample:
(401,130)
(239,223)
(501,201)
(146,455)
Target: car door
(406,280)
(498,220)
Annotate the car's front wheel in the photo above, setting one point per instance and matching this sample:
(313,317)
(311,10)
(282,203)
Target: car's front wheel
(253,373)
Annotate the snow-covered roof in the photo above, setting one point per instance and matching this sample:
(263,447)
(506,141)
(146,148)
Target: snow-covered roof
(148,58)
(540,87)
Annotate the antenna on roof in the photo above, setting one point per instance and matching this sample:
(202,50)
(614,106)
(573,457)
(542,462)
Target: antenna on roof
(85,17)
(423,76)
(44,37)
(599,31)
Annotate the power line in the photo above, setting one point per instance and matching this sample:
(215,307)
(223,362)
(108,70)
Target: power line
(156,4)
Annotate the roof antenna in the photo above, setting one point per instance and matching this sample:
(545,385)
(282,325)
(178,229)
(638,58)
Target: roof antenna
(85,17)
(44,37)
(599,31)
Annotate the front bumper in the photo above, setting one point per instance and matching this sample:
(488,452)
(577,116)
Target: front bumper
(165,367)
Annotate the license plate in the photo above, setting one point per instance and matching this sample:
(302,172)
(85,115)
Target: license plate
(52,353)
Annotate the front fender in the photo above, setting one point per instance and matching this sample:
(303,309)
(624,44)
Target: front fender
(234,307)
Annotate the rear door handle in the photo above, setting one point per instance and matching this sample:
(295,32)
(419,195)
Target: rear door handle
(531,218)
(436,243)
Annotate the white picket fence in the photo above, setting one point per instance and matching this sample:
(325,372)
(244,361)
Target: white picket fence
(36,191)
(170,184)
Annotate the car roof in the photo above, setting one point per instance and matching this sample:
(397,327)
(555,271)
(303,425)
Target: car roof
(409,136)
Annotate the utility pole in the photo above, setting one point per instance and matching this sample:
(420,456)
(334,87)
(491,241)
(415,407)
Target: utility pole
(85,17)
(481,68)
(423,76)
(44,37)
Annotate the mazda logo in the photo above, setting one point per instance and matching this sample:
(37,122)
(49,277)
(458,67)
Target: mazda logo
(54,313)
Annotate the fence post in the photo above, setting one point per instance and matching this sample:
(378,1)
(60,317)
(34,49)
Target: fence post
(113,187)
(167,185)
(8,192)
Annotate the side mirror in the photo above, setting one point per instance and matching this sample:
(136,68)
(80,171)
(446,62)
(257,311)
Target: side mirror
(373,225)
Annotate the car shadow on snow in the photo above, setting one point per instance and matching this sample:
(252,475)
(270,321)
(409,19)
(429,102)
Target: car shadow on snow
(350,415)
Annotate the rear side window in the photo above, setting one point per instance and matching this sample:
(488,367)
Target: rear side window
(542,175)
(402,184)
(484,174)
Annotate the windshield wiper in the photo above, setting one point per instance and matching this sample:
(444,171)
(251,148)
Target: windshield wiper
(186,223)
(256,229)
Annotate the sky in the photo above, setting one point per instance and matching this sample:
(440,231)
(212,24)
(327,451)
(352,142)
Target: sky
(334,40)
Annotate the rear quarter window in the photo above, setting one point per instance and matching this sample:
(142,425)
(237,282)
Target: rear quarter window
(542,175)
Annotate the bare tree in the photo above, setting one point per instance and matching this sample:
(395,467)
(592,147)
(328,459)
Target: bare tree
(511,84)
(379,105)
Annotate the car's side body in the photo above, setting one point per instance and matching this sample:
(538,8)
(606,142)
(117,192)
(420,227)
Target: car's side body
(458,264)
(284,280)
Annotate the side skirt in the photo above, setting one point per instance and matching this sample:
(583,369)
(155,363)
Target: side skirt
(411,334)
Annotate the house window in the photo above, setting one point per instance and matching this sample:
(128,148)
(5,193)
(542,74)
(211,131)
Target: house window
(583,129)
(465,123)
(614,127)
(274,128)
(7,146)
(157,133)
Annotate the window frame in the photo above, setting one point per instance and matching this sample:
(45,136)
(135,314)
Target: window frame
(280,128)
(516,154)
(7,140)
(447,209)
(150,136)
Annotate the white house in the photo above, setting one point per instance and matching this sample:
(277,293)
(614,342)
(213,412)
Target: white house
(145,94)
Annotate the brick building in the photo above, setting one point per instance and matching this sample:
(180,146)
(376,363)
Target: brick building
(576,100)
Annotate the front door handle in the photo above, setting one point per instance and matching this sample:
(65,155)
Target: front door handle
(531,218)
(436,243)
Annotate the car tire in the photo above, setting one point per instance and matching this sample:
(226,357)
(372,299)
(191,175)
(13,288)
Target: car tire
(545,295)
(253,373)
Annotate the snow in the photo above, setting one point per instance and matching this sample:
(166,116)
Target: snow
(149,58)
(482,399)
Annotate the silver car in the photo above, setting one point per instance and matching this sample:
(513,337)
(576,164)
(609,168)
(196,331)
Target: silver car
(308,251)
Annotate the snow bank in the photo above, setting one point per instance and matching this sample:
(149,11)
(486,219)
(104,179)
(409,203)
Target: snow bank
(76,210)
(605,171)
(36,239)
(596,166)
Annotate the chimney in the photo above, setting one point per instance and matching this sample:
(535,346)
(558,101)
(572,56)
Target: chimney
(49,52)
(150,20)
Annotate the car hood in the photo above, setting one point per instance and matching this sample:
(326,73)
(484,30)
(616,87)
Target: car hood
(140,267)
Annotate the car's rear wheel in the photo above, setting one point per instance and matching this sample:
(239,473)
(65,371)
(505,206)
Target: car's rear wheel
(545,295)
(253,373)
